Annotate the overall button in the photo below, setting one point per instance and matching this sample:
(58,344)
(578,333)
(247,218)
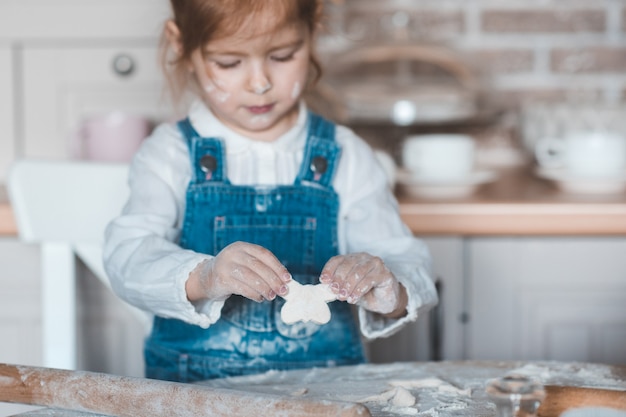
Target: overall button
(262,202)
(319,165)
(208,165)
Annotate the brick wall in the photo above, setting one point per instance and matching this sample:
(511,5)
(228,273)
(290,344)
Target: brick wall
(545,49)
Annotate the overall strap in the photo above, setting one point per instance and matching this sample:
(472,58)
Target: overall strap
(321,153)
(208,156)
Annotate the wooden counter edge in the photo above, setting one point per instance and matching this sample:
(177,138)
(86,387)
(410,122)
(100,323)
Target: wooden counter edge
(515,219)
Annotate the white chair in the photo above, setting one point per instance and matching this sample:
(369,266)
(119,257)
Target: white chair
(65,206)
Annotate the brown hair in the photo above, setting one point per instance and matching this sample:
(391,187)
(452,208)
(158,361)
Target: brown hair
(200,21)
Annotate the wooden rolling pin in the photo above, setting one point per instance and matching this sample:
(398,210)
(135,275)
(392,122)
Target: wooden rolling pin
(137,397)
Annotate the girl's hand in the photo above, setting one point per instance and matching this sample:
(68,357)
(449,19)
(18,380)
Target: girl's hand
(363,279)
(240,268)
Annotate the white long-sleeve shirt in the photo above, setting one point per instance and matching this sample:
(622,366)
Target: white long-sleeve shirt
(148,269)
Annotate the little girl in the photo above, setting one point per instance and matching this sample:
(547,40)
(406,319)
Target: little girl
(253,190)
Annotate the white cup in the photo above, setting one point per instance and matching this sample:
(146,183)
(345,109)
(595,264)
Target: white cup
(584,154)
(111,137)
(439,156)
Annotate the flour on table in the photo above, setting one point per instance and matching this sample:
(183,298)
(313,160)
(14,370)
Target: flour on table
(436,396)
(440,385)
(440,389)
(307,303)
(299,392)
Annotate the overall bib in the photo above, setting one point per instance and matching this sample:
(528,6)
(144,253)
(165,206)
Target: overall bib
(298,224)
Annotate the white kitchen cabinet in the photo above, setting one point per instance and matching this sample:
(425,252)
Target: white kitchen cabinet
(20,309)
(448,255)
(508,298)
(63,85)
(57,66)
(547,298)
(111,337)
(63,20)
(7,120)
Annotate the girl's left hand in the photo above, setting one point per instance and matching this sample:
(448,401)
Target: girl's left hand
(363,279)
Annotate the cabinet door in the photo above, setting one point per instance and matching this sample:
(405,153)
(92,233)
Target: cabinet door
(548,299)
(62,86)
(448,255)
(20,312)
(110,337)
(7,143)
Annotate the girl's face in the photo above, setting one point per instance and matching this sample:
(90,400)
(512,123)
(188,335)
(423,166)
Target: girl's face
(253,84)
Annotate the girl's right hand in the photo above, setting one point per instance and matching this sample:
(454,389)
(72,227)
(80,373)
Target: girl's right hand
(240,268)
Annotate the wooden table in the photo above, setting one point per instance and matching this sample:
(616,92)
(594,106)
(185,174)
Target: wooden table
(440,388)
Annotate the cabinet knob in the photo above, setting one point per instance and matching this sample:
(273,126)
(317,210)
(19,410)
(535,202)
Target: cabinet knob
(123,65)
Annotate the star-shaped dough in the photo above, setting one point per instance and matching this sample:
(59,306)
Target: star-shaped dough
(307,303)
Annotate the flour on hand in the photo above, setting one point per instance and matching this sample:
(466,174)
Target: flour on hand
(307,303)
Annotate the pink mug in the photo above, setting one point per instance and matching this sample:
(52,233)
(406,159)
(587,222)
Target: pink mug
(111,137)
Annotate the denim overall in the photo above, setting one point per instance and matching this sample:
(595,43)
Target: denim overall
(298,223)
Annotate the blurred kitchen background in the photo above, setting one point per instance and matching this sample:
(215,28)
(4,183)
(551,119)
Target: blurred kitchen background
(506,72)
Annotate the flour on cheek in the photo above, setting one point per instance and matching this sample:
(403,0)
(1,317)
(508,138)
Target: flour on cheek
(221,94)
(209,87)
(295,92)
(307,303)
(215,89)
(259,119)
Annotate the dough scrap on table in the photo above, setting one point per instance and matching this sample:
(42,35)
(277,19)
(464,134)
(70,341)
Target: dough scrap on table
(307,303)
(397,397)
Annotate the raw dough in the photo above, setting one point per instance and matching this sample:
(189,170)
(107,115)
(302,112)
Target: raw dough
(397,397)
(398,400)
(307,303)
